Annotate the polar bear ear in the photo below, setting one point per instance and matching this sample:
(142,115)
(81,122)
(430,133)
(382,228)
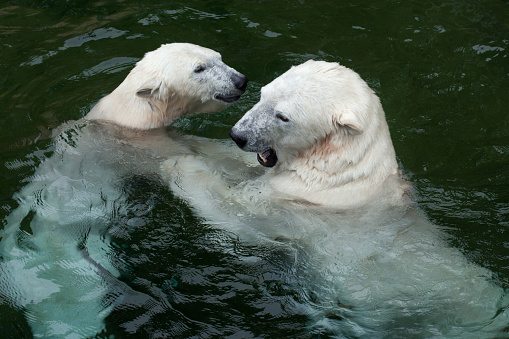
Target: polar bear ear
(351,121)
(149,88)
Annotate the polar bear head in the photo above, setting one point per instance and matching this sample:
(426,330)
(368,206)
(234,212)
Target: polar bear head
(172,81)
(322,123)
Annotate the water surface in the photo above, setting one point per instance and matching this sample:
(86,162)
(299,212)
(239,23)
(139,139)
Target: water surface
(441,70)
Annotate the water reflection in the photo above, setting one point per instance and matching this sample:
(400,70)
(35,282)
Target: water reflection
(109,66)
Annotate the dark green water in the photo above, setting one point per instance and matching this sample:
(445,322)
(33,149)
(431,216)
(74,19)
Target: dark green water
(440,68)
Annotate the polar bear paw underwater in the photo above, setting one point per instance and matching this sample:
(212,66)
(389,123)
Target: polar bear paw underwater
(333,192)
(56,268)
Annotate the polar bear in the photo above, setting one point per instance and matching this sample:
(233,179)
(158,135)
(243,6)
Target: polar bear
(54,247)
(333,193)
(341,159)
(173,81)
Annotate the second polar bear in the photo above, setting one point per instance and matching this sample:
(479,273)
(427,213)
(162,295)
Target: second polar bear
(54,249)
(333,194)
(173,81)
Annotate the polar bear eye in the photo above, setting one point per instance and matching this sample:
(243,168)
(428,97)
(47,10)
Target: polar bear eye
(200,68)
(281,117)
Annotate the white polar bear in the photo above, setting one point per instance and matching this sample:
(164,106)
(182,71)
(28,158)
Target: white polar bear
(173,81)
(334,195)
(340,159)
(54,247)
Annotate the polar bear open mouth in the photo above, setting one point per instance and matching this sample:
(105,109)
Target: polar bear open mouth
(267,158)
(227,99)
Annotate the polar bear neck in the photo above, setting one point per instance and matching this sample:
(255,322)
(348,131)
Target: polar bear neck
(340,170)
(125,108)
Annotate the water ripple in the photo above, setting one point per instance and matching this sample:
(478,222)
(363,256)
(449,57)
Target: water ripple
(97,34)
(114,65)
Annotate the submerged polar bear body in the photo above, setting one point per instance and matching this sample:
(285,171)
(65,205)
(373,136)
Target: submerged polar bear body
(54,249)
(334,195)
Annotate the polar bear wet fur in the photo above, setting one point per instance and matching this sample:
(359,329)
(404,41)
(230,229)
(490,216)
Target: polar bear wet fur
(334,192)
(327,132)
(59,272)
(173,81)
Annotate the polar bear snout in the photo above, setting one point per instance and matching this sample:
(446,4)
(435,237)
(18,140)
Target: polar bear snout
(240,81)
(266,155)
(240,140)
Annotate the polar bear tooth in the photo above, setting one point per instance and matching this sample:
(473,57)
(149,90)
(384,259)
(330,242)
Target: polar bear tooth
(262,157)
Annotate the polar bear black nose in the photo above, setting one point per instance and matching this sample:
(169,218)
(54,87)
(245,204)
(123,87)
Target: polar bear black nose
(240,81)
(239,140)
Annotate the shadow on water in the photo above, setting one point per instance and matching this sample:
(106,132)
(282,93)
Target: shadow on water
(198,279)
